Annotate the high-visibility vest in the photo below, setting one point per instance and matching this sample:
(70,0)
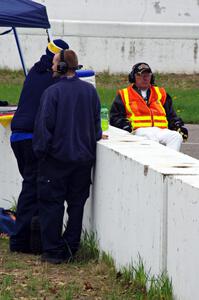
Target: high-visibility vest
(139,113)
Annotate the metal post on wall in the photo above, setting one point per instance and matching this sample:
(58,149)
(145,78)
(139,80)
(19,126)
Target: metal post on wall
(20,51)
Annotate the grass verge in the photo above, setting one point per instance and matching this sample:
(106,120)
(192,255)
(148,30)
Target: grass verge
(183,89)
(91,277)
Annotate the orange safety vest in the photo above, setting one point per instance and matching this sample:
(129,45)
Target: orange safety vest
(139,113)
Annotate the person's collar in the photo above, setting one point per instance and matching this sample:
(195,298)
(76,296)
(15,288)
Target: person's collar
(139,91)
(69,77)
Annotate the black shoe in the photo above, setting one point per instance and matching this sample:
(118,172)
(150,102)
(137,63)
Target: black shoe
(55,259)
(20,250)
(19,245)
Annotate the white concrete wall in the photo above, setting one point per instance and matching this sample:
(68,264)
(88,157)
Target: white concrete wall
(124,10)
(128,217)
(144,201)
(10,179)
(183,235)
(112,36)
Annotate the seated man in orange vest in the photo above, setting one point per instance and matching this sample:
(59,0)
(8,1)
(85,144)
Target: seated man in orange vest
(146,110)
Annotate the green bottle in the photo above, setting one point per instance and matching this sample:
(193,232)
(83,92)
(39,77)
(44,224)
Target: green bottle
(104,118)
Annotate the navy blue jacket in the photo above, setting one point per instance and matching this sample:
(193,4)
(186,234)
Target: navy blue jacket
(37,80)
(68,122)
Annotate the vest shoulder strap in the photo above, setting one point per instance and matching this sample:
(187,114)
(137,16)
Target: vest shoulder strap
(161,93)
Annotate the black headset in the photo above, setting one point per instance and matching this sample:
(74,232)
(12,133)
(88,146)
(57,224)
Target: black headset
(62,66)
(131,76)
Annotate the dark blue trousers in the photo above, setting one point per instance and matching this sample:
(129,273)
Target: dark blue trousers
(59,182)
(27,205)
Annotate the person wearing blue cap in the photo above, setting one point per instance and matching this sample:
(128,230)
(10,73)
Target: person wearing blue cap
(38,79)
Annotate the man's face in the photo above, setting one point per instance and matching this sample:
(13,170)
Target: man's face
(56,60)
(142,81)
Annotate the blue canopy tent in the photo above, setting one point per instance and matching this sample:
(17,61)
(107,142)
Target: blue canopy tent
(22,13)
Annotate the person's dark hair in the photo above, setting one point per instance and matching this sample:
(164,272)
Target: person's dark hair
(68,61)
(70,57)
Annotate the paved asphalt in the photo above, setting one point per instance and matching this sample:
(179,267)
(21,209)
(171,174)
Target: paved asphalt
(191,147)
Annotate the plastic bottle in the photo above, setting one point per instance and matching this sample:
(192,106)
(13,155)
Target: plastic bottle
(104,118)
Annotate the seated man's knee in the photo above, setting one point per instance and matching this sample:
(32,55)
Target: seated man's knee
(177,136)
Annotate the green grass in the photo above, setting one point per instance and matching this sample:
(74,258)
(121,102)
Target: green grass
(183,89)
(186,104)
(143,285)
(90,276)
(88,248)
(106,95)
(6,288)
(10,92)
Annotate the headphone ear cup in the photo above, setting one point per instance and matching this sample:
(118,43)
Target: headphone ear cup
(62,67)
(152,79)
(131,77)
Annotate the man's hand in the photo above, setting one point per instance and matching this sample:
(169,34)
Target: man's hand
(127,127)
(184,132)
(104,137)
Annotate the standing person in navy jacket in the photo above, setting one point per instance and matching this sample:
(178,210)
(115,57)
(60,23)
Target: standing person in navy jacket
(38,79)
(67,128)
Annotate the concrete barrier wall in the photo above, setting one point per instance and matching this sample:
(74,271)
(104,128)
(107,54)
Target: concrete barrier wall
(10,179)
(143,201)
(162,33)
(183,235)
(124,10)
(127,214)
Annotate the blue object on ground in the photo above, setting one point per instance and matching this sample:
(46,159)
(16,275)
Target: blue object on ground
(7,221)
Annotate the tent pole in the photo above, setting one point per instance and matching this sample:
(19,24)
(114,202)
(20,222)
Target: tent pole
(49,34)
(20,51)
